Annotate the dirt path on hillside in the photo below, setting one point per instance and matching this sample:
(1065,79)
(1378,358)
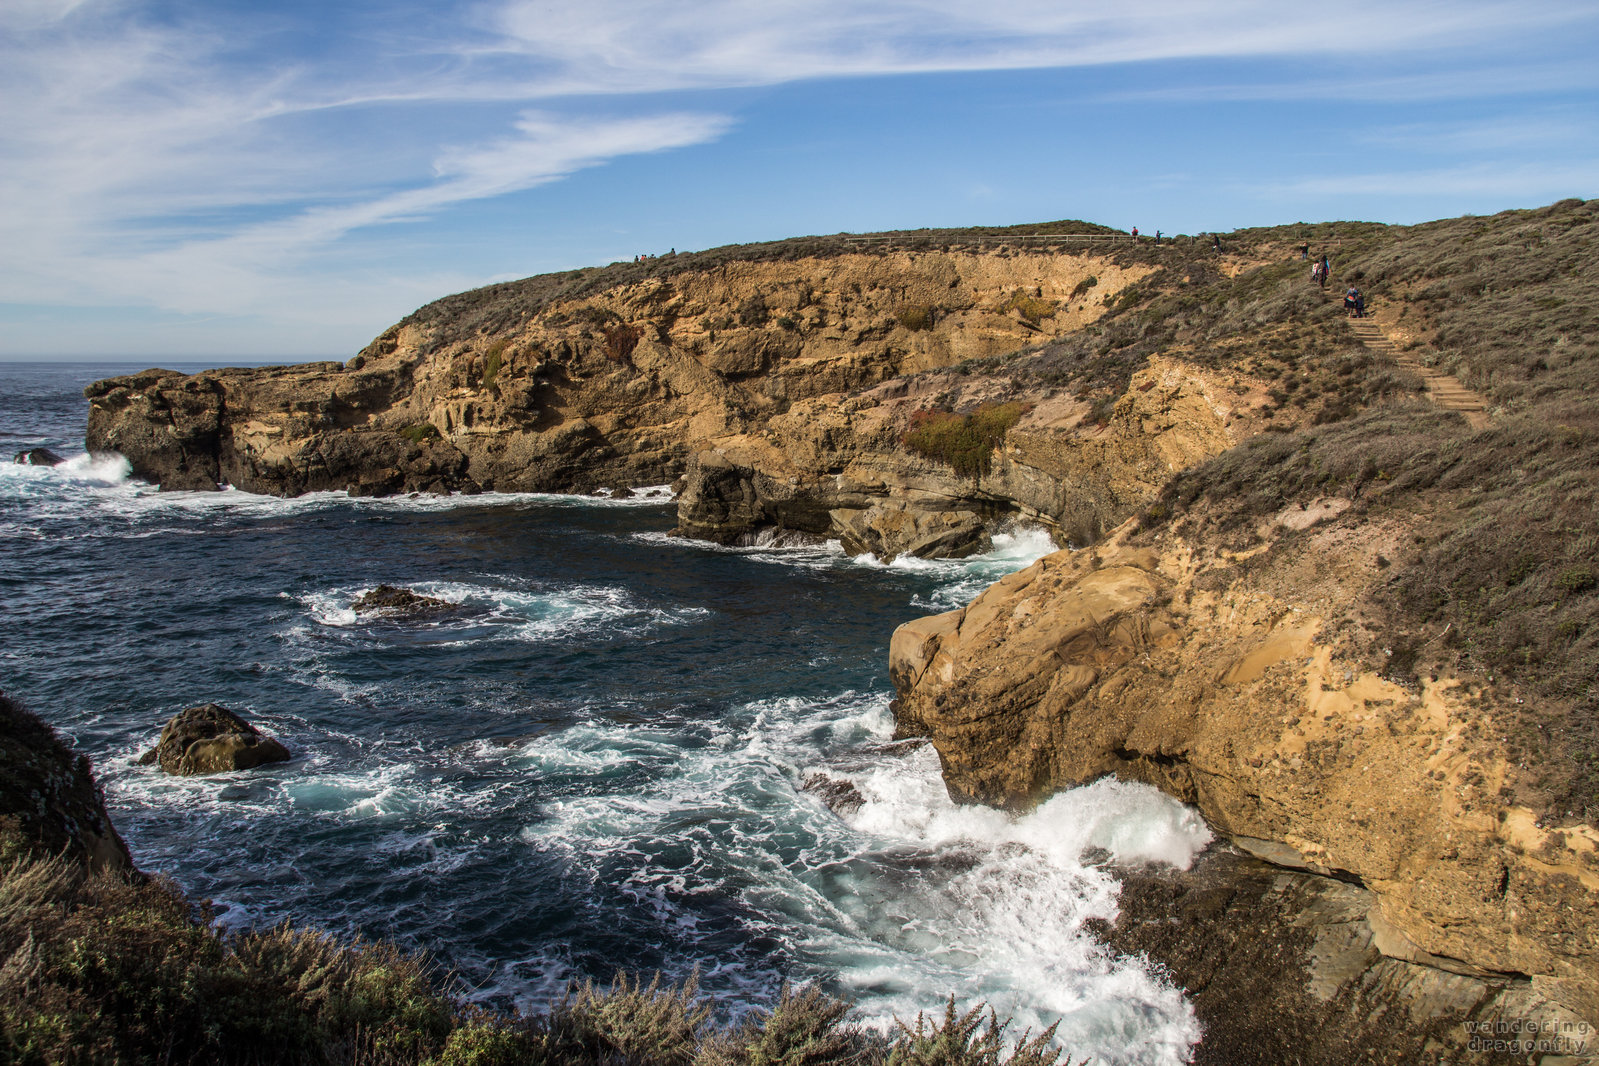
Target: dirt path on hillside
(1445,390)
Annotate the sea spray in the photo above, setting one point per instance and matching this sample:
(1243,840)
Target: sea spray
(612,757)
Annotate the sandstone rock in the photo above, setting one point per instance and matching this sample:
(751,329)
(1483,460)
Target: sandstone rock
(524,387)
(210,739)
(39,457)
(1181,668)
(393,602)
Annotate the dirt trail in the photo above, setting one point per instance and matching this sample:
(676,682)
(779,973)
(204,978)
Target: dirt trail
(1445,390)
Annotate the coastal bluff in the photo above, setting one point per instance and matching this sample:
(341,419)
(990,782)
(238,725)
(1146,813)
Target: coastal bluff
(1358,631)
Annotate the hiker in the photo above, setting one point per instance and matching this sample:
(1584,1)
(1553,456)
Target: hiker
(1315,273)
(1360,304)
(1353,302)
(1157,237)
(1215,239)
(1304,252)
(1326,270)
(1135,234)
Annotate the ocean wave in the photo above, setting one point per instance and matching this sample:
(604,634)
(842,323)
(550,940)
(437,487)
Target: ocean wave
(502,611)
(908,892)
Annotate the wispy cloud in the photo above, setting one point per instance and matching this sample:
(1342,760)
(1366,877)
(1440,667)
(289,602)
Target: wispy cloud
(194,166)
(651,45)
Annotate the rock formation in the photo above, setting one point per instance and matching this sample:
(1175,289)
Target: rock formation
(1237,688)
(49,800)
(389,601)
(210,739)
(39,457)
(776,367)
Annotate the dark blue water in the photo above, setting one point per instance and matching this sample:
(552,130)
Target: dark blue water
(600,763)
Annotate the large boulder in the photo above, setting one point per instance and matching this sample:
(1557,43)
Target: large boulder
(210,739)
(39,457)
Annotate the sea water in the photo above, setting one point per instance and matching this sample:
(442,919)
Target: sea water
(599,763)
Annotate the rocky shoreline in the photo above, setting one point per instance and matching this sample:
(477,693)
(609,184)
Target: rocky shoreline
(1410,798)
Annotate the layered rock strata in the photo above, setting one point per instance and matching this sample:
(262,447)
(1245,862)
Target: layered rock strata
(781,389)
(1227,685)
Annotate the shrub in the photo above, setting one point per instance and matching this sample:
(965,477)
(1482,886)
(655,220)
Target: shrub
(968,1040)
(915,317)
(620,340)
(1082,287)
(1030,308)
(491,362)
(965,442)
(631,1021)
(420,432)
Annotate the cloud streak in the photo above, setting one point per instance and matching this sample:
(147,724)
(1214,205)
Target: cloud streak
(188,166)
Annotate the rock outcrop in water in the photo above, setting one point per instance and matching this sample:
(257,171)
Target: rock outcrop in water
(210,739)
(39,457)
(389,601)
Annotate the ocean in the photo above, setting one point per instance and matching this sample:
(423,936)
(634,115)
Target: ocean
(612,758)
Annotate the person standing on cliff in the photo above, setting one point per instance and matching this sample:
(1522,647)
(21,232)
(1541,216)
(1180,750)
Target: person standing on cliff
(1135,234)
(1326,270)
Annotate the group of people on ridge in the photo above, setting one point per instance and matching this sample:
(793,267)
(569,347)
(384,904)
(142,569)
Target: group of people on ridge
(1321,270)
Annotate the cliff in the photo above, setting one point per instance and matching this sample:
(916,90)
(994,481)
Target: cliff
(1365,649)
(1335,582)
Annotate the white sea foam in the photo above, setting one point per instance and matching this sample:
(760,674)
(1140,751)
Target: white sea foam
(529,614)
(907,897)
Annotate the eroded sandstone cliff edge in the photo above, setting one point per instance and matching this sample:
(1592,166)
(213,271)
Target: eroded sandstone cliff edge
(781,381)
(1255,647)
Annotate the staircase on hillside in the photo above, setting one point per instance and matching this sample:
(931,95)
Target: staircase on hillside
(1442,389)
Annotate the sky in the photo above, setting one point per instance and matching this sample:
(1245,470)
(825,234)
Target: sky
(248,180)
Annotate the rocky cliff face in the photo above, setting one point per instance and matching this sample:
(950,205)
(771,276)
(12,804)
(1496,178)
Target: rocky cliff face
(1234,680)
(617,387)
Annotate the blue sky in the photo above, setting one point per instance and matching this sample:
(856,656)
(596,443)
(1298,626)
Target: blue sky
(217,179)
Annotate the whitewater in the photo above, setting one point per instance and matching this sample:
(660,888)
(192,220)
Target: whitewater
(618,755)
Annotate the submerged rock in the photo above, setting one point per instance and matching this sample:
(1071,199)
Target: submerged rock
(391,601)
(39,457)
(210,739)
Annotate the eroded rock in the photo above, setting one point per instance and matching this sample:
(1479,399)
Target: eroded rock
(210,739)
(1178,666)
(39,457)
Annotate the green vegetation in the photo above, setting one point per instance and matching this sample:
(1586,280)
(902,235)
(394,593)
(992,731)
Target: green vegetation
(966,442)
(421,432)
(492,360)
(1030,308)
(108,969)
(916,317)
(117,967)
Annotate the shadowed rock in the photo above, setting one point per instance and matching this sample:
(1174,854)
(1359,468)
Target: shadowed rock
(39,457)
(50,803)
(210,739)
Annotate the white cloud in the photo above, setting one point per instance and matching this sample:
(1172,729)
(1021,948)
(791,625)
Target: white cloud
(186,166)
(651,45)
